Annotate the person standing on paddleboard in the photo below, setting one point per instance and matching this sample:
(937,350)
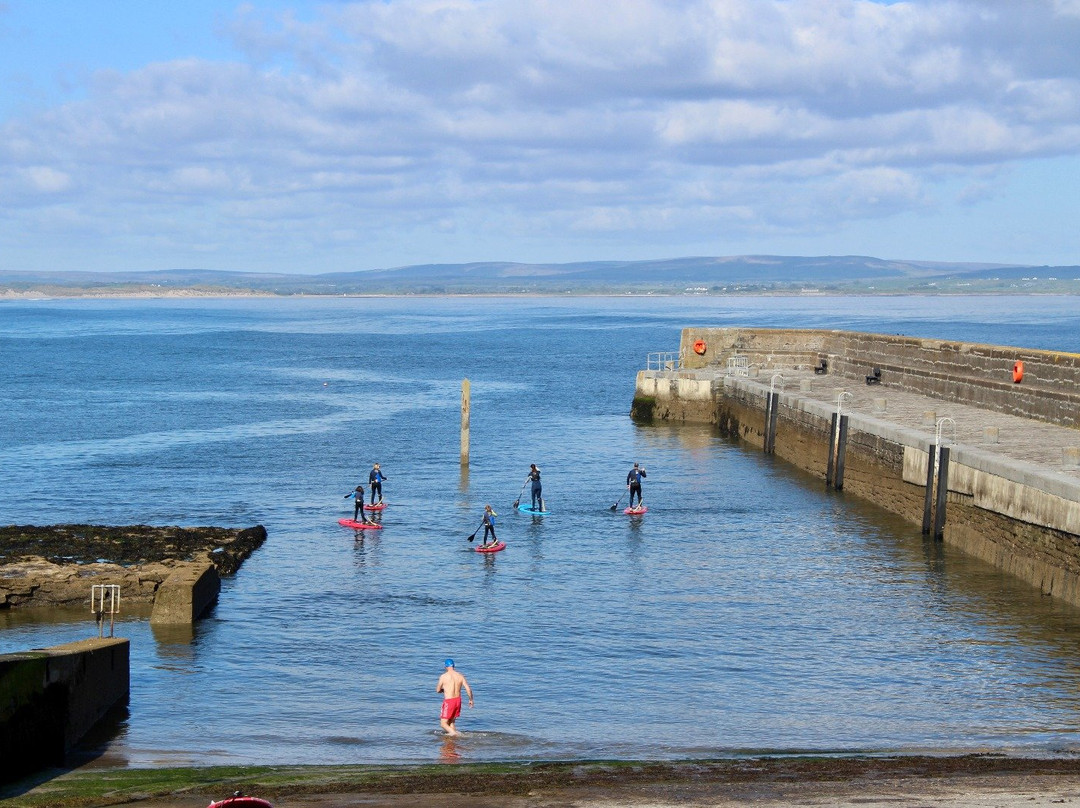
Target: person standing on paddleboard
(375,482)
(358,505)
(489,526)
(633,482)
(537,489)
(450,684)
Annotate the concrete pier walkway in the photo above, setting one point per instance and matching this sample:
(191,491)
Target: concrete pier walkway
(1019,439)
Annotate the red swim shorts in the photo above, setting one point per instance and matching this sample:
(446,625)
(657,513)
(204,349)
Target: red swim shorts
(451,709)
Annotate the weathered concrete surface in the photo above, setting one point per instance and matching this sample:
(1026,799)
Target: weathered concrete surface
(50,698)
(56,565)
(1014,500)
(188,592)
(961,372)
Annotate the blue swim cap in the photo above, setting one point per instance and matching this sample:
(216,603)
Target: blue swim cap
(449,663)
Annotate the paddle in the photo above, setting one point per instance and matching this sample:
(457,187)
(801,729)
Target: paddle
(473,536)
(623,494)
(522,491)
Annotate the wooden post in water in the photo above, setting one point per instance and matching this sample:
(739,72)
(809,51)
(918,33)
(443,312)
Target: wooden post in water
(768,420)
(773,411)
(832,452)
(841,451)
(465,390)
(942,493)
(928,502)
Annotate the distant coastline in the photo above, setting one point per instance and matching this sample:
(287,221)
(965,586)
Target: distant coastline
(684,277)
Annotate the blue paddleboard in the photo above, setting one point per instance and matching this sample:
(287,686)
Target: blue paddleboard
(527,508)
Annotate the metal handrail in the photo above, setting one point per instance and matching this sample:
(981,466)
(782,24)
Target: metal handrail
(664,360)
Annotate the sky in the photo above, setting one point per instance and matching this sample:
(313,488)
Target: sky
(278,136)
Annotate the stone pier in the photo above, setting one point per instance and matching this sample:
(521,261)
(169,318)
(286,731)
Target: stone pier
(1013,485)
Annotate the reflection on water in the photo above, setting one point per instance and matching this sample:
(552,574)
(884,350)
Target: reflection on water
(748,609)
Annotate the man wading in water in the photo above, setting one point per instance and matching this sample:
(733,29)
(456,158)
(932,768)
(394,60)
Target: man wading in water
(450,684)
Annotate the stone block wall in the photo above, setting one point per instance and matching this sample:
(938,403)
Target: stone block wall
(966,373)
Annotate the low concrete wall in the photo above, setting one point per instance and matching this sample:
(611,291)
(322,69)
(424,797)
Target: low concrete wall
(50,698)
(963,372)
(188,592)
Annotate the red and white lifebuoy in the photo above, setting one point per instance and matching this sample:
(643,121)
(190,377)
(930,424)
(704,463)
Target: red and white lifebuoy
(700,347)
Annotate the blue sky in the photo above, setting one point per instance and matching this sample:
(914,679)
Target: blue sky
(334,136)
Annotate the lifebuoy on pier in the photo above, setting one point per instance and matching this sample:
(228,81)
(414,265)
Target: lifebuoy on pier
(1018,372)
(700,347)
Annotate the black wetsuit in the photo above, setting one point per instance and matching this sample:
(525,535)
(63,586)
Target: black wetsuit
(358,504)
(537,489)
(633,479)
(375,482)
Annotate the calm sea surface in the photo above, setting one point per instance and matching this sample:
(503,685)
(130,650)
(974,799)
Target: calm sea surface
(749,610)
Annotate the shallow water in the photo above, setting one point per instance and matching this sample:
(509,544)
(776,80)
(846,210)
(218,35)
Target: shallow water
(749,609)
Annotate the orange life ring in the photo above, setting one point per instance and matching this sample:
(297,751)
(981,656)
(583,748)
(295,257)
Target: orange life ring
(1018,372)
(699,347)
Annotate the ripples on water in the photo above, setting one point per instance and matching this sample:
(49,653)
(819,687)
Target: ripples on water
(749,609)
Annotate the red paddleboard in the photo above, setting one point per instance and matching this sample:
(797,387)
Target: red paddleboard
(377,507)
(492,548)
(635,511)
(359,525)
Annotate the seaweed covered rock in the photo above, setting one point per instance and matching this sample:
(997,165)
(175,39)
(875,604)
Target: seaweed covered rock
(55,565)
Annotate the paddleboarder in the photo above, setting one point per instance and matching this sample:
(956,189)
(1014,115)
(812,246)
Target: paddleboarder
(358,505)
(537,490)
(375,479)
(633,482)
(489,526)
(450,684)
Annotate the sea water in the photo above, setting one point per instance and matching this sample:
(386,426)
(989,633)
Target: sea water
(749,610)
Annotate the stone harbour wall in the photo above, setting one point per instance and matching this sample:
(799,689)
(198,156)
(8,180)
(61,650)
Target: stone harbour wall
(1016,515)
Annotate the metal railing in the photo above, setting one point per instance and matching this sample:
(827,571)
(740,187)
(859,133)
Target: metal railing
(738,366)
(663,360)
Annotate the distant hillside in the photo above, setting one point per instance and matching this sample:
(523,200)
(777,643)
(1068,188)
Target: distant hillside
(695,275)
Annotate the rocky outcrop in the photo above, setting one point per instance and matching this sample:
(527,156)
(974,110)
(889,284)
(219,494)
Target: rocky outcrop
(56,565)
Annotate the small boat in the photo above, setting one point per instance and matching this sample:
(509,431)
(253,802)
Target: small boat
(238,800)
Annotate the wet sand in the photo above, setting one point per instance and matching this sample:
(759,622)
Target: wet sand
(978,781)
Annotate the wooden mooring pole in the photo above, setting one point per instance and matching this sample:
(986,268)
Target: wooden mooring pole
(841,452)
(465,391)
(832,452)
(942,493)
(928,501)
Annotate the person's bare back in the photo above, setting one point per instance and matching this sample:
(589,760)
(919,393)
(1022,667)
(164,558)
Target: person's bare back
(450,685)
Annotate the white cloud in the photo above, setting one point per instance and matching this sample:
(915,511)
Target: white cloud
(473,116)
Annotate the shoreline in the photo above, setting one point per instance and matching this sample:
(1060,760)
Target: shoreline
(968,780)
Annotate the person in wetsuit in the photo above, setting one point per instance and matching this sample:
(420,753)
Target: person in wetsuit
(537,489)
(358,505)
(489,526)
(375,482)
(633,482)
